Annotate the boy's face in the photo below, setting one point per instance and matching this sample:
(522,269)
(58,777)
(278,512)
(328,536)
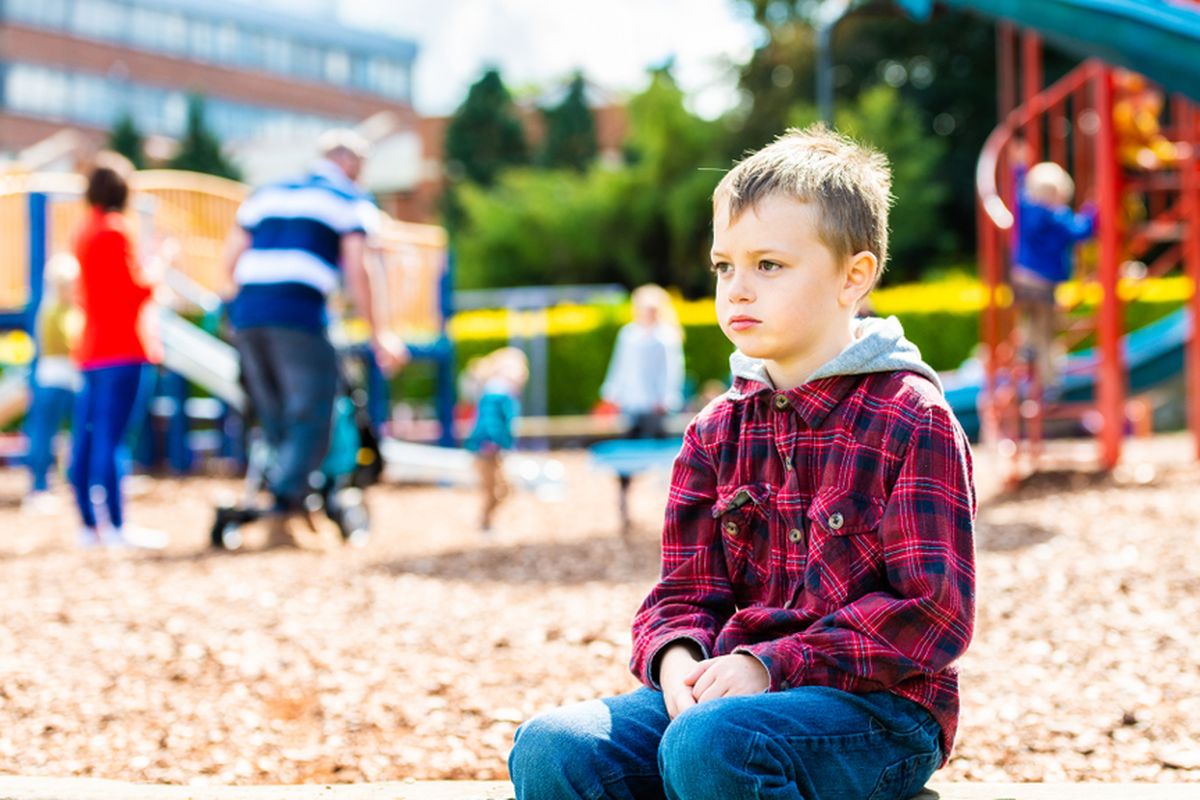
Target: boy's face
(782,296)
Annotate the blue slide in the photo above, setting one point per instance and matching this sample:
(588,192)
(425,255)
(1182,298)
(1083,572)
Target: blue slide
(1158,38)
(1153,355)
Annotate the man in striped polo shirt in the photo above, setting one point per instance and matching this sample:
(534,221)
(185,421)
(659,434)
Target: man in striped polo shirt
(296,242)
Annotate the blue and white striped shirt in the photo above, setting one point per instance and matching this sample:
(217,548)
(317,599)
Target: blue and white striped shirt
(292,264)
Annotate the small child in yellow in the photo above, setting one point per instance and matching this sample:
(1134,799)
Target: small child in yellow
(56,379)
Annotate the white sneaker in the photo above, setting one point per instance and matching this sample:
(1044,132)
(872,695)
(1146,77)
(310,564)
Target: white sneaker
(135,537)
(88,538)
(40,504)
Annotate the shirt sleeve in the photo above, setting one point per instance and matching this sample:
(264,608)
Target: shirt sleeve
(674,391)
(368,220)
(925,622)
(1077,227)
(610,390)
(693,598)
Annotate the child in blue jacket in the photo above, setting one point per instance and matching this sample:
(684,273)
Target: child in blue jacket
(1047,232)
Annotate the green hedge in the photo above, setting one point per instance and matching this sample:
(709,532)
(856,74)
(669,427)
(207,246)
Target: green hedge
(578,360)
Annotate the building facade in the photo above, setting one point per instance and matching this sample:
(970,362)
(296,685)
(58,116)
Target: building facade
(267,73)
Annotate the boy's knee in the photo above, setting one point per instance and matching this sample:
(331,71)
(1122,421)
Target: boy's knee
(704,752)
(551,738)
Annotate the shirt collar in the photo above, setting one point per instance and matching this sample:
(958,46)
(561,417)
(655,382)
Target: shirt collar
(333,173)
(812,401)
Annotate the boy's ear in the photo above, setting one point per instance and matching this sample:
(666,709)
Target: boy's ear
(860,277)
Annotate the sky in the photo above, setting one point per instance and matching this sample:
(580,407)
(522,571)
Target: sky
(540,42)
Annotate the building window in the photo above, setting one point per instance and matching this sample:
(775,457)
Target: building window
(337,67)
(202,40)
(388,78)
(99,18)
(227,42)
(174,34)
(51,13)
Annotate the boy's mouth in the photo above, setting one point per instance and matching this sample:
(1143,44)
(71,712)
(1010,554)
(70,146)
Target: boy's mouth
(741,323)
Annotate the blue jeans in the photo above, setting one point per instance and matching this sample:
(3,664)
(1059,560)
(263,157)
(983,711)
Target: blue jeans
(102,410)
(292,378)
(808,743)
(51,407)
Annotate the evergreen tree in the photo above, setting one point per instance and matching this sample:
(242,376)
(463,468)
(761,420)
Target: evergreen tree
(200,150)
(485,136)
(944,68)
(126,139)
(570,130)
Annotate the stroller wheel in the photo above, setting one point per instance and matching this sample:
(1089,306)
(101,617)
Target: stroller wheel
(226,533)
(354,523)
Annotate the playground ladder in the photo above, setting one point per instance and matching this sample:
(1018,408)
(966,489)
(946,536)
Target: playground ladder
(1070,122)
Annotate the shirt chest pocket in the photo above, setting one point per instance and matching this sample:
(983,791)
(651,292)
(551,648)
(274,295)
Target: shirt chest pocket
(742,516)
(845,553)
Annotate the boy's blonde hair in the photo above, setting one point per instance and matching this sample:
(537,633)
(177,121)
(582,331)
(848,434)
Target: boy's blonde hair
(1049,184)
(851,184)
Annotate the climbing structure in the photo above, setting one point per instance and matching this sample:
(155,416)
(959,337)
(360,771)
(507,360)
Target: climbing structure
(1149,216)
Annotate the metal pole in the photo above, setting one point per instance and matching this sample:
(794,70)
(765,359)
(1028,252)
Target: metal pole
(1031,86)
(827,17)
(1110,369)
(825,72)
(1190,171)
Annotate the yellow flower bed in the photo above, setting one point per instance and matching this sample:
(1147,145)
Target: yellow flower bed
(960,294)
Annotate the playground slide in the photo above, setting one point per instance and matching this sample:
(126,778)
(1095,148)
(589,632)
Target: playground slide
(1153,355)
(201,357)
(1158,38)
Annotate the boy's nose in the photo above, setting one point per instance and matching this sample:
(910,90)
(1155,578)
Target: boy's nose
(740,289)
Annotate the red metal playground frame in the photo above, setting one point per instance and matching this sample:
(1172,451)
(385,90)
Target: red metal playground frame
(1070,122)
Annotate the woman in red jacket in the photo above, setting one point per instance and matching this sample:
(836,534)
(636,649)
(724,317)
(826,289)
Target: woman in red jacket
(110,354)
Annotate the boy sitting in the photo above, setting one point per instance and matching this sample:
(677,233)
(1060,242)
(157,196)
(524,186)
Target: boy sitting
(817,558)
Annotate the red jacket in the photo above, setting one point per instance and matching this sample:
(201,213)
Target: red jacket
(826,530)
(109,293)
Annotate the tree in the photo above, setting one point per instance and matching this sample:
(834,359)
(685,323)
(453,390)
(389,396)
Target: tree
(645,220)
(485,136)
(944,69)
(126,139)
(200,150)
(880,117)
(570,130)
(676,164)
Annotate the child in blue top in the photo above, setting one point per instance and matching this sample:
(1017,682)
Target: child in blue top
(500,376)
(1047,231)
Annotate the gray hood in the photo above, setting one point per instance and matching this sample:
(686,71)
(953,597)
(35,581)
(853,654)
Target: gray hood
(879,346)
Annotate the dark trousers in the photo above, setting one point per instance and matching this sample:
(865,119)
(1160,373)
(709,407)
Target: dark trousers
(292,378)
(102,411)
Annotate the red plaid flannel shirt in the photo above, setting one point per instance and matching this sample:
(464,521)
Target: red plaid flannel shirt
(827,530)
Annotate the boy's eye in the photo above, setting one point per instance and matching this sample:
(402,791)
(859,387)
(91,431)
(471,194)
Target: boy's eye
(720,268)
(769,266)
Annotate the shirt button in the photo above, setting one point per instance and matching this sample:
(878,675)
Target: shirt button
(781,401)
(784,685)
(731,528)
(787,463)
(836,521)
(795,535)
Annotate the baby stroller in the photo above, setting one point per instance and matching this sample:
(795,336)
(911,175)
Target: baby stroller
(353,463)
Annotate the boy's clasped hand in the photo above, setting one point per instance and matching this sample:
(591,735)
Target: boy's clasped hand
(687,681)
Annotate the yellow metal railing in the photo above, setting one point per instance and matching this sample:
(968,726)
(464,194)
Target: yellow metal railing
(197,212)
